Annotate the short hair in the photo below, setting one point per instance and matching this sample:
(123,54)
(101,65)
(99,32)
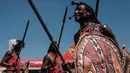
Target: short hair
(90,9)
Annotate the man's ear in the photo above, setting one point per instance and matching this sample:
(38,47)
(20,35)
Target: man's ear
(88,13)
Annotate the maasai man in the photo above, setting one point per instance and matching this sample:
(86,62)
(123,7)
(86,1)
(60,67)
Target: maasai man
(11,58)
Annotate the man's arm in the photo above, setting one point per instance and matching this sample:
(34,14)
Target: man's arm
(6,58)
(105,30)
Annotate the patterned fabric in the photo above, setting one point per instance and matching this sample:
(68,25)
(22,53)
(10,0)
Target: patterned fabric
(125,60)
(91,28)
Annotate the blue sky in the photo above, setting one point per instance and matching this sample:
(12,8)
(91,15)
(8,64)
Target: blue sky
(15,13)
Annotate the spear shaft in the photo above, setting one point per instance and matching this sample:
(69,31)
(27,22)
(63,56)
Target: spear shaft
(45,28)
(96,9)
(64,19)
(25,32)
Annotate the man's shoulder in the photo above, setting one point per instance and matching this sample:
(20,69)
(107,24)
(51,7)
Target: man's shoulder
(9,52)
(104,26)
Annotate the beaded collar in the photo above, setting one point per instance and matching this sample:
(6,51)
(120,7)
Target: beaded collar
(90,28)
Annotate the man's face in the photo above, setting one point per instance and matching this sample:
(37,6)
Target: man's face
(80,13)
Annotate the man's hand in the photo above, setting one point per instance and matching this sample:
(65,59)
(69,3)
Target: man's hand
(67,67)
(14,64)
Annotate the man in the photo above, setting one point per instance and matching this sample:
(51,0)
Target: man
(97,50)
(11,58)
(52,62)
(49,60)
(85,16)
(95,61)
(24,67)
